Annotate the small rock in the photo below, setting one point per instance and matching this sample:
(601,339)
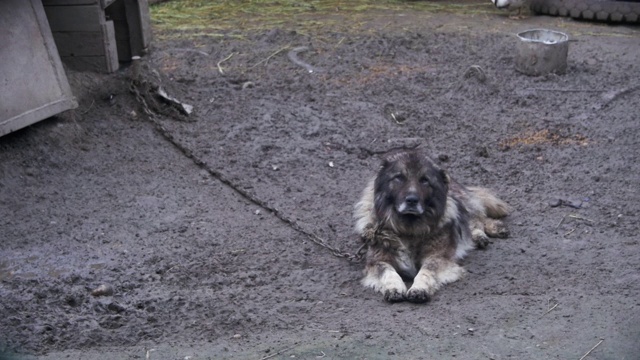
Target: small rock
(482,151)
(574,204)
(237,336)
(103,290)
(331,164)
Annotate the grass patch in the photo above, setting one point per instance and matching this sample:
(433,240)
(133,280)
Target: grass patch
(199,16)
(544,137)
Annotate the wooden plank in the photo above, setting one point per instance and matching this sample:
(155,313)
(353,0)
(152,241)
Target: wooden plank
(145,23)
(103,3)
(134,12)
(100,56)
(117,13)
(35,86)
(34,115)
(69,2)
(50,45)
(111,50)
(86,43)
(75,18)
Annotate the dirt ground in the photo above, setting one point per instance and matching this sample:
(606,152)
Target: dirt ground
(202,269)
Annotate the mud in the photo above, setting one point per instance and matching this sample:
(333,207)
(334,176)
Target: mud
(195,268)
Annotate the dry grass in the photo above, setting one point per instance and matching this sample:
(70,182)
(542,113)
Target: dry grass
(213,18)
(544,137)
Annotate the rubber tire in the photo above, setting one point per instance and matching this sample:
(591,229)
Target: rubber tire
(596,10)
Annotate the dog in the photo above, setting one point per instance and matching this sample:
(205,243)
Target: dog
(417,222)
(513,5)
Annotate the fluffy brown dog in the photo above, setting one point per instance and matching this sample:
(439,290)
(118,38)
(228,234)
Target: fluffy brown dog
(417,223)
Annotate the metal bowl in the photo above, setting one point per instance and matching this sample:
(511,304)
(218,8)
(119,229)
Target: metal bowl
(541,52)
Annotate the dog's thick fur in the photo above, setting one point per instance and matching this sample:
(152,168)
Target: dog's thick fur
(417,223)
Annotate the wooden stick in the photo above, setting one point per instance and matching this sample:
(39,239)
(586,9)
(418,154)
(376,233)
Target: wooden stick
(148,354)
(329,331)
(280,352)
(569,90)
(554,306)
(223,60)
(580,218)
(90,106)
(270,56)
(593,348)
(561,221)
(548,311)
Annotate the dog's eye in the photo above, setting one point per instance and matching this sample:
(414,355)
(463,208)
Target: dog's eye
(398,178)
(424,180)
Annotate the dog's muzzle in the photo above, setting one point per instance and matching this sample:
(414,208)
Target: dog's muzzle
(411,206)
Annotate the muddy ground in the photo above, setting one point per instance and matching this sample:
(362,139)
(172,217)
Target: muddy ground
(200,270)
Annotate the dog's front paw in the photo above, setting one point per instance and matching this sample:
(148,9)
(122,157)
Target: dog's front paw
(394,295)
(502,231)
(497,229)
(480,239)
(418,295)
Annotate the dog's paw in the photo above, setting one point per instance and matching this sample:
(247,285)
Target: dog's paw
(480,239)
(394,295)
(496,229)
(418,295)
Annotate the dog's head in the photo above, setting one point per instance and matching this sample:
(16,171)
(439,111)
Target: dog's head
(410,192)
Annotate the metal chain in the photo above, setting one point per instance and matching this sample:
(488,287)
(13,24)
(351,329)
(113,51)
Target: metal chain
(134,88)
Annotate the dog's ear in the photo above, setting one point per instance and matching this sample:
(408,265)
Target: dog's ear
(384,163)
(392,156)
(445,177)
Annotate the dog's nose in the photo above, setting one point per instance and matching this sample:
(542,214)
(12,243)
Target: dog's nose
(412,200)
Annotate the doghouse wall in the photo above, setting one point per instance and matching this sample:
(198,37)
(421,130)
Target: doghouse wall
(97,35)
(33,85)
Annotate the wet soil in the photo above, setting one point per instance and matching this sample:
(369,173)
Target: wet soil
(201,268)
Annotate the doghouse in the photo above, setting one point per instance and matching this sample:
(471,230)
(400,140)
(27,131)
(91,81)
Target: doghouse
(39,35)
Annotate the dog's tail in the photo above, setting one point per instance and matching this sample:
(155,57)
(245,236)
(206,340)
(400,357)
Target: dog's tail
(493,206)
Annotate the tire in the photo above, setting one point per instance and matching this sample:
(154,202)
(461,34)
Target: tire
(597,10)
